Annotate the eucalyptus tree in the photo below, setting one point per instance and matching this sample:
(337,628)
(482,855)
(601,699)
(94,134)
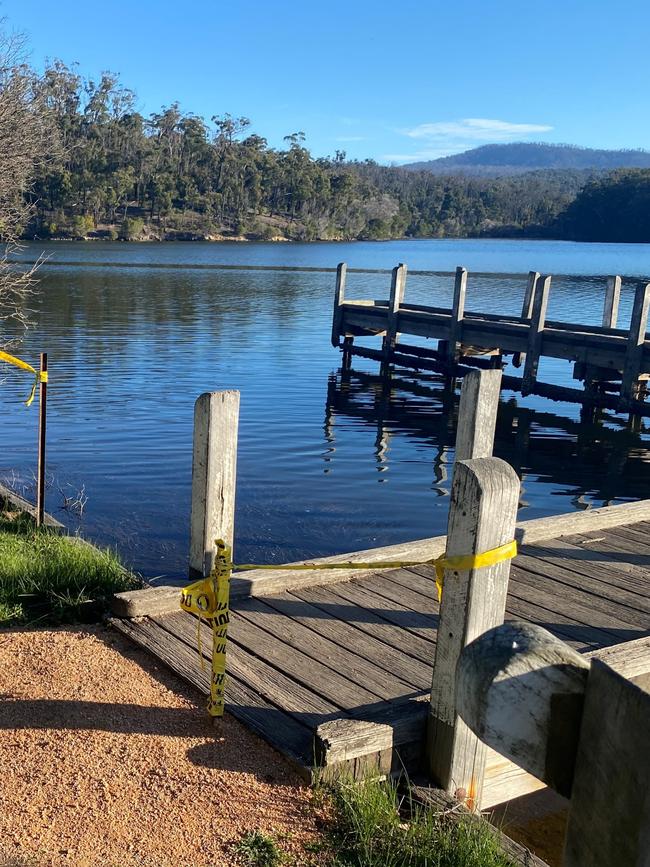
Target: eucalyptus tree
(23,147)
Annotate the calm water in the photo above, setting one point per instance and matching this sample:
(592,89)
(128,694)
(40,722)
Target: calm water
(325,464)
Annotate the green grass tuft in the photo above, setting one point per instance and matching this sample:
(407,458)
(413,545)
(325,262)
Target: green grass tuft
(259,850)
(48,577)
(374,827)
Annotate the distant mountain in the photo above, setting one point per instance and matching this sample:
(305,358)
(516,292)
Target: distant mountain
(513,159)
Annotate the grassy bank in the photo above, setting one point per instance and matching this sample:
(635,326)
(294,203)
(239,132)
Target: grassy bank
(374,826)
(47,577)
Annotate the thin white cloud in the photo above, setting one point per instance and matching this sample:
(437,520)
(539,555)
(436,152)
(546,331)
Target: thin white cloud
(475,128)
(451,137)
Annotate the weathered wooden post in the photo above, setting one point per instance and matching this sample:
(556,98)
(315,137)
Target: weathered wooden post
(214,468)
(477,414)
(612,298)
(635,345)
(527,311)
(397,288)
(457,314)
(339,298)
(583,729)
(535,332)
(484,498)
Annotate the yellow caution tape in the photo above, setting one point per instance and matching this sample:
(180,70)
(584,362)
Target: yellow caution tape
(209,599)
(39,376)
(460,563)
(472,561)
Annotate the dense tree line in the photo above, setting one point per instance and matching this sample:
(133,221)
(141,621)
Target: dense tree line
(111,172)
(612,208)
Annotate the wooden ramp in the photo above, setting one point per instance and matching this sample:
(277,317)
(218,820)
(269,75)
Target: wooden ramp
(362,648)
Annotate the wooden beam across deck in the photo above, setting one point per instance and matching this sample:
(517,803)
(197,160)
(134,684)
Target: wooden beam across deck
(603,347)
(163,599)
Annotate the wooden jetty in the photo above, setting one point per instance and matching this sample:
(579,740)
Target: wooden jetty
(613,364)
(335,668)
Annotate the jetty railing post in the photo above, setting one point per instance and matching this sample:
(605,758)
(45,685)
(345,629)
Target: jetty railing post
(535,331)
(582,728)
(214,471)
(457,314)
(42,433)
(612,299)
(397,288)
(635,344)
(484,498)
(339,298)
(527,311)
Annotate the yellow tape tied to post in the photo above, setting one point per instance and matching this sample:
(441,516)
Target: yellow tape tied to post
(209,599)
(460,562)
(39,376)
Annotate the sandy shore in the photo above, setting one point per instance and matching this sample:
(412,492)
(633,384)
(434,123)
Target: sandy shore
(108,759)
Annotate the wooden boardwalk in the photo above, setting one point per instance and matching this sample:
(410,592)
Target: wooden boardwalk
(333,666)
(363,648)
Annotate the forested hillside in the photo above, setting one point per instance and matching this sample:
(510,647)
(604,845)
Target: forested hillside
(113,173)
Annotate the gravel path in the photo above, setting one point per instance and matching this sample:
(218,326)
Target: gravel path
(108,759)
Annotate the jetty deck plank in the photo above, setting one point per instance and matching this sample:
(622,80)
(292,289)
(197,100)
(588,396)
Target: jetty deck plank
(356,649)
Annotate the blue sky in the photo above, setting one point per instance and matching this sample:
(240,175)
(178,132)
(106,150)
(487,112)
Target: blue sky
(392,81)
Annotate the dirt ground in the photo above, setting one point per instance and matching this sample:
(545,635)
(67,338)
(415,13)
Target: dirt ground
(107,759)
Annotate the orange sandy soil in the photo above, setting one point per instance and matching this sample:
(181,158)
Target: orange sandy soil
(108,759)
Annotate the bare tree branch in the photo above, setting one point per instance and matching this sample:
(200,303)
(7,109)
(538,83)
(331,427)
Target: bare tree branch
(26,137)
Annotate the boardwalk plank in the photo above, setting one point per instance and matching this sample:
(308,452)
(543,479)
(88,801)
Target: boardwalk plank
(366,620)
(605,547)
(593,593)
(339,660)
(310,672)
(273,685)
(561,598)
(407,669)
(579,636)
(633,579)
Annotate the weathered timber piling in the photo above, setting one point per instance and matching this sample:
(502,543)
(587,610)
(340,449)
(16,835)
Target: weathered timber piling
(613,364)
(457,314)
(612,299)
(535,333)
(482,515)
(527,310)
(579,726)
(397,289)
(634,351)
(214,470)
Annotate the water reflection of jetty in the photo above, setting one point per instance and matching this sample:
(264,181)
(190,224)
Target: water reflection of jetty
(601,463)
